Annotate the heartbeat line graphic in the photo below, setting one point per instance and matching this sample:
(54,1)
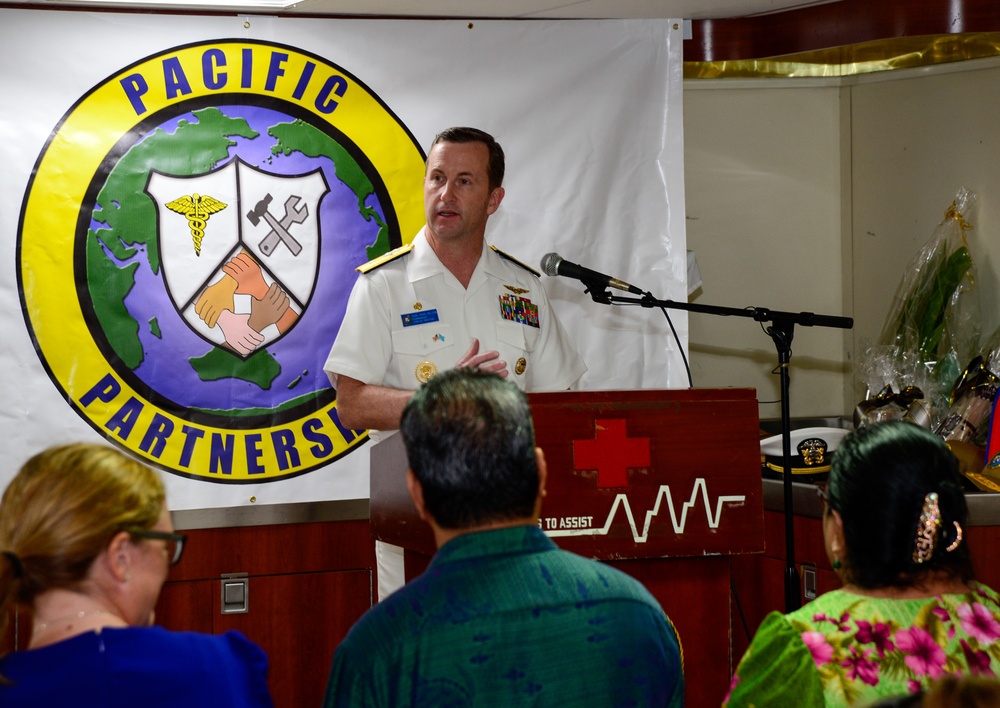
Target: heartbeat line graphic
(664,493)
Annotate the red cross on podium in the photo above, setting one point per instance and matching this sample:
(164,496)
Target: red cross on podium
(611,453)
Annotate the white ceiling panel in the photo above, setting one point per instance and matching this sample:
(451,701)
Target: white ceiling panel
(495,9)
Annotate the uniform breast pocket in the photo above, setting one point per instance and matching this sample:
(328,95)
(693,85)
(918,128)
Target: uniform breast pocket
(516,336)
(517,342)
(422,351)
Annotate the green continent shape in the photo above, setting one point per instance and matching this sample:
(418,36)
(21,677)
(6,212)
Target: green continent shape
(129,215)
(299,136)
(259,368)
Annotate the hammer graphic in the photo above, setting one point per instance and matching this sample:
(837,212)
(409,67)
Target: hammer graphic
(279,229)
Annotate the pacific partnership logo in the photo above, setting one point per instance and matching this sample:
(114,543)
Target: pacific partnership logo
(187,246)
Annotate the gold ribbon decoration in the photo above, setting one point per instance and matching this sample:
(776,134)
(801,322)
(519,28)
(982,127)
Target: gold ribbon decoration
(905,399)
(954,213)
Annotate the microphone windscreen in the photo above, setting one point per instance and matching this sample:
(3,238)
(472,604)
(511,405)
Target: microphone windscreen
(550,264)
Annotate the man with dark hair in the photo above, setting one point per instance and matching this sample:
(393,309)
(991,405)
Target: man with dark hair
(445,300)
(495,163)
(501,616)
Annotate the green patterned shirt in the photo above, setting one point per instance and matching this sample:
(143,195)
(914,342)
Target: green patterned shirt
(505,618)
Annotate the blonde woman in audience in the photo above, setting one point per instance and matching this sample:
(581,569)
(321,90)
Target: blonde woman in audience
(86,542)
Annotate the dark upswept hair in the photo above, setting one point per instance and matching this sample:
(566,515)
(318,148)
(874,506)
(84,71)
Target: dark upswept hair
(495,166)
(471,444)
(879,478)
(61,511)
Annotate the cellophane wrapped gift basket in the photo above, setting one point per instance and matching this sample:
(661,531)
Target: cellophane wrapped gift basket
(928,365)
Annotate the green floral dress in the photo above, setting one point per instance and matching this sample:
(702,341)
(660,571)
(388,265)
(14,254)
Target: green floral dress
(844,649)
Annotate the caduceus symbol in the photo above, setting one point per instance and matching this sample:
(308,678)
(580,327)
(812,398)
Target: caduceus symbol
(196,209)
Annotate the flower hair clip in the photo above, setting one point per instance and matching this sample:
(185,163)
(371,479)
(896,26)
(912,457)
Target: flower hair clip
(927,529)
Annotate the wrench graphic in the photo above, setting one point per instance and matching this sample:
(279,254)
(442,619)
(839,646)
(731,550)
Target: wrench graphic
(294,214)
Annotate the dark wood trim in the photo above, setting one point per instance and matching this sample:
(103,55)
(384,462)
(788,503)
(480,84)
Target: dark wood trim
(835,24)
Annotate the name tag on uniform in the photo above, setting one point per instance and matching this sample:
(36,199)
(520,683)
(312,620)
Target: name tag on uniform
(419,318)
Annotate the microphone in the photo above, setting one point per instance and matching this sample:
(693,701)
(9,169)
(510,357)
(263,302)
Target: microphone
(553,264)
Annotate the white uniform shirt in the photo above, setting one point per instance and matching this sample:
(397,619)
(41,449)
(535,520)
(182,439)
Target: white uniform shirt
(410,317)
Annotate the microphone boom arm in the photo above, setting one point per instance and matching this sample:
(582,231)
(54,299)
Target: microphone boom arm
(759,314)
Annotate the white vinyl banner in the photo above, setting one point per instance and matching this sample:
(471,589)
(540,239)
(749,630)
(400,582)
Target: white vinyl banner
(185,198)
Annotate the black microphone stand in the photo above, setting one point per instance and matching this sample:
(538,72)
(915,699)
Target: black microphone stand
(781,331)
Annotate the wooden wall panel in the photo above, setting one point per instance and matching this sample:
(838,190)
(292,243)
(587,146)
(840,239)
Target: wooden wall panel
(271,550)
(307,585)
(299,619)
(18,631)
(186,606)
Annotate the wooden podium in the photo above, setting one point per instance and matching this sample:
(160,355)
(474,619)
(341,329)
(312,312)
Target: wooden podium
(664,485)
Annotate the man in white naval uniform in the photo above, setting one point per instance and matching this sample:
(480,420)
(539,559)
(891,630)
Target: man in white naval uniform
(446,300)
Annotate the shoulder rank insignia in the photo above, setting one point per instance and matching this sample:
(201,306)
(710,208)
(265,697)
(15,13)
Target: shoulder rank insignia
(515,261)
(384,258)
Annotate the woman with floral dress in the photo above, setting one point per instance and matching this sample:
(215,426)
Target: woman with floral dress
(909,612)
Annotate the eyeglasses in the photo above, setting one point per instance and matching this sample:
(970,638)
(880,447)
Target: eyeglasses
(175,541)
(823,492)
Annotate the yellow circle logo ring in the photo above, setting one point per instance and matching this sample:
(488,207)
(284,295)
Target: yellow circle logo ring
(223,142)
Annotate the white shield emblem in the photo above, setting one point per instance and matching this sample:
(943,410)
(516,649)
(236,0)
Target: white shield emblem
(239,249)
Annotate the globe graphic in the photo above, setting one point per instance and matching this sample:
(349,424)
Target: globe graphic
(132,314)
